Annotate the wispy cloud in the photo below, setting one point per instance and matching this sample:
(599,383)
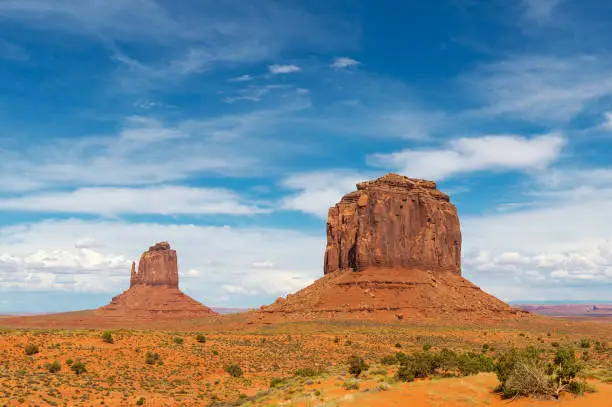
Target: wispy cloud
(344,62)
(494,153)
(539,88)
(242,78)
(254,93)
(160,200)
(179,43)
(283,69)
(229,145)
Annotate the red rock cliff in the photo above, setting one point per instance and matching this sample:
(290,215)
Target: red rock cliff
(157,267)
(394,222)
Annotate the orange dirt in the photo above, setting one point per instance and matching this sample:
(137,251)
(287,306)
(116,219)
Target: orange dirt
(469,392)
(143,303)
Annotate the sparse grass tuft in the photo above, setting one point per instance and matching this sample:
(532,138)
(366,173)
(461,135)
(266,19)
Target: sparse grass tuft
(78,367)
(234,370)
(357,365)
(107,337)
(31,349)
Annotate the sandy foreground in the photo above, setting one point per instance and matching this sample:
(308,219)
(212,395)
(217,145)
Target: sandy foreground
(188,372)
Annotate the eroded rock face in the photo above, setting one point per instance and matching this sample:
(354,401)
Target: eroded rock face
(394,222)
(157,267)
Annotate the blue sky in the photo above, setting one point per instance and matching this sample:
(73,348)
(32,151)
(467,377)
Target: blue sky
(229,127)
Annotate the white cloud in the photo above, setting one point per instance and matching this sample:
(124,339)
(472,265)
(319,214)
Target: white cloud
(319,190)
(496,153)
(540,89)
(42,256)
(607,124)
(282,69)
(558,247)
(344,62)
(163,200)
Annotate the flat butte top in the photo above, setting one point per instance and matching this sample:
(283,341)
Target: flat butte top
(398,184)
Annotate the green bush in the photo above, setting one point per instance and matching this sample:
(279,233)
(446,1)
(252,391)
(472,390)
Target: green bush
(506,362)
(445,362)
(585,343)
(78,367)
(234,370)
(388,360)
(54,367)
(357,365)
(405,373)
(31,349)
(140,401)
(69,362)
(178,341)
(276,382)
(564,369)
(152,358)
(351,385)
(398,345)
(426,347)
(308,372)
(107,337)
(200,338)
(472,363)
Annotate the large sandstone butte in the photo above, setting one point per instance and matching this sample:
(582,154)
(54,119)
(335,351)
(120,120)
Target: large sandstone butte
(154,292)
(393,252)
(394,222)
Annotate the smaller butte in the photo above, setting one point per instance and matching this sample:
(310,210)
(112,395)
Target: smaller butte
(154,292)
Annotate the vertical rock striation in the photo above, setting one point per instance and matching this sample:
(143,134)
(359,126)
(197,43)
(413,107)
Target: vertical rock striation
(394,221)
(157,267)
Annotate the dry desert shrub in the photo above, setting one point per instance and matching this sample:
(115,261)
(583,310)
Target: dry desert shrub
(528,379)
(31,349)
(526,373)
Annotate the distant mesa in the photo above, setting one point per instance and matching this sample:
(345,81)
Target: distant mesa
(154,291)
(393,252)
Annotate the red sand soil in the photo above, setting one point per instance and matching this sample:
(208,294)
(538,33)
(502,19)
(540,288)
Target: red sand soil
(469,392)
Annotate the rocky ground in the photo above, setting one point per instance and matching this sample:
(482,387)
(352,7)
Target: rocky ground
(192,371)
